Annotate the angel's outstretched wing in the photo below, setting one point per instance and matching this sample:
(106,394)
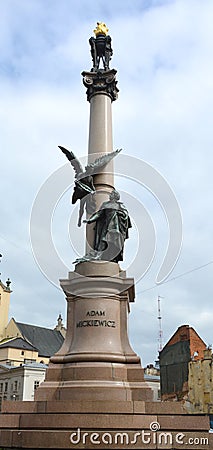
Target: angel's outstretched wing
(101,162)
(72,158)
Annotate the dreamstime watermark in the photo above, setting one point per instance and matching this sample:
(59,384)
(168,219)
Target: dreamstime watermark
(140,174)
(154,436)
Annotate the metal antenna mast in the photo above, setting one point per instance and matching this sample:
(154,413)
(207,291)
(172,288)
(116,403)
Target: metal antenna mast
(160,333)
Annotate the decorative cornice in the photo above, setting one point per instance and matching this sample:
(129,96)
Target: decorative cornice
(101,82)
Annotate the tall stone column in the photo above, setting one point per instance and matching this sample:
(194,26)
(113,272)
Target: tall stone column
(101,92)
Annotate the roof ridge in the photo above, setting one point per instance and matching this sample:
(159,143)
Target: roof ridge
(8,339)
(18,338)
(36,326)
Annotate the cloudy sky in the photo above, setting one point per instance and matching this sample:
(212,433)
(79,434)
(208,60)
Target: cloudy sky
(163,51)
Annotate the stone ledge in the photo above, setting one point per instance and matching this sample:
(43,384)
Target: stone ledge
(110,407)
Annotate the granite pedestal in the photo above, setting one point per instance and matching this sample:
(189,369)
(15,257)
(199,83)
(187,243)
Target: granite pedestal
(94,394)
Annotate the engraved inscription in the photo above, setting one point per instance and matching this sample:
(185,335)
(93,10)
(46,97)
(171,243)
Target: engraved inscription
(95,313)
(96,323)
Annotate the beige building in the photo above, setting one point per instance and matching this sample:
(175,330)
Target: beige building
(17,351)
(24,352)
(21,343)
(24,343)
(4,307)
(200,394)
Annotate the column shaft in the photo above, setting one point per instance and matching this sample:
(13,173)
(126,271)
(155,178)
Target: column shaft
(100,138)
(101,91)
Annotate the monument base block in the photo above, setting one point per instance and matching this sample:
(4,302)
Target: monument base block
(96,361)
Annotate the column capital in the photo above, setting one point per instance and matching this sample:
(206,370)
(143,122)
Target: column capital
(101,82)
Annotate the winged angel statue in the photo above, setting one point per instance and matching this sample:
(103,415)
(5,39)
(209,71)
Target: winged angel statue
(84,186)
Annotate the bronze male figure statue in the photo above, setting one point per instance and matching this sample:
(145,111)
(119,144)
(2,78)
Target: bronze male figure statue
(101,48)
(112,223)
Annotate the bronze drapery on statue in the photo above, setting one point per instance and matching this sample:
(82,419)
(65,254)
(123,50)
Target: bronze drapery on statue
(112,223)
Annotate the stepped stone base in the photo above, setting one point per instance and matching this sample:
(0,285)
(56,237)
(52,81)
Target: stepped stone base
(94,381)
(101,424)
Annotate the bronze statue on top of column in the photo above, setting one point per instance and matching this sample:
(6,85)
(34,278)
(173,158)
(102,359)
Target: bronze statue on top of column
(101,80)
(101,48)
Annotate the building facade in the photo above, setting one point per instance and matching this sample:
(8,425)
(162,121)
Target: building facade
(21,343)
(200,396)
(20,383)
(153,382)
(4,307)
(184,346)
(24,343)
(17,351)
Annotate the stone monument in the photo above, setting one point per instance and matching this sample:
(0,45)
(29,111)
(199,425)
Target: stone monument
(98,292)
(94,393)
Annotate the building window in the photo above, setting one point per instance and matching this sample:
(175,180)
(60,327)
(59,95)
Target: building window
(1,387)
(15,385)
(159,394)
(22,352)
(206,397)
(6,386)
(36,384)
